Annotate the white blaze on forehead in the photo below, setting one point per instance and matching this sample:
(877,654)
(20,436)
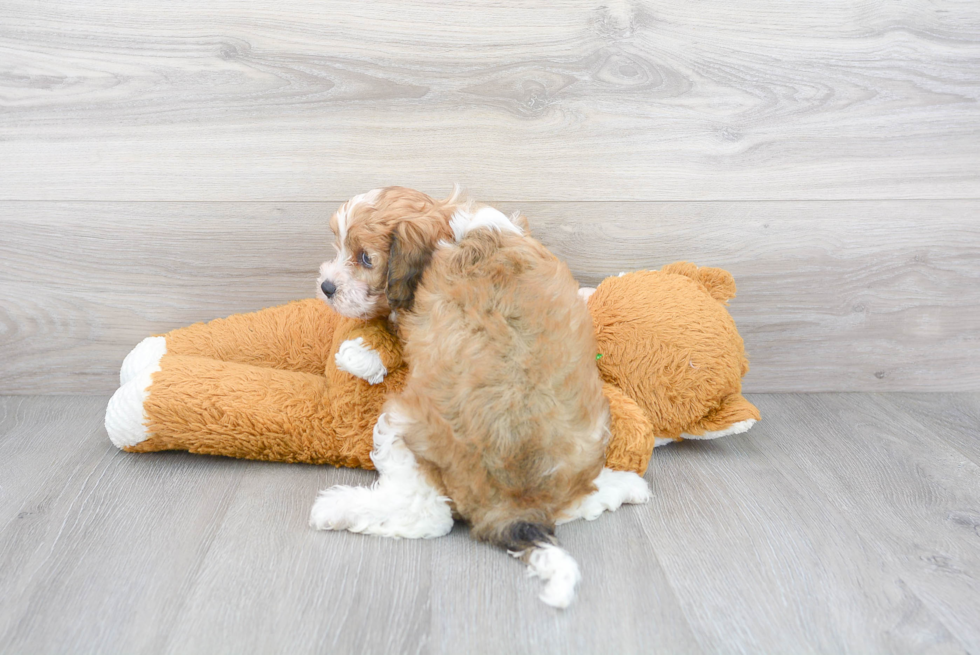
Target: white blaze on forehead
(343,214)
(352,297)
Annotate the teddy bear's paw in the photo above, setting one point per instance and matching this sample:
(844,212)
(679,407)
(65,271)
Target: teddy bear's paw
(613,490)
(360,360)
(125,420)
(147,353)
(734,428)
(381,510)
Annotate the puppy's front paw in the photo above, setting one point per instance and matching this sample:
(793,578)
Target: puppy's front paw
(360,360)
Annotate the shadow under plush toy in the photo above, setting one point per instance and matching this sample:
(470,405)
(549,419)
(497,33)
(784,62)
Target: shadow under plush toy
(267,385)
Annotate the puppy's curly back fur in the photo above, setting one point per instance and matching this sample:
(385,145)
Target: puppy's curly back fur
(505,402)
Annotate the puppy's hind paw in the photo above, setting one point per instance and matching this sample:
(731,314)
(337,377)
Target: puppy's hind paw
(617,488)
(382,511)
(634,489)
(335,508)
(613,490)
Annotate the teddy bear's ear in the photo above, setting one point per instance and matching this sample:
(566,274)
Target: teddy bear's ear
(408,256)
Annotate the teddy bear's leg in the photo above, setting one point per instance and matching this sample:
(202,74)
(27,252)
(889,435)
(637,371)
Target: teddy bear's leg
(297,336)
(212,407)
(613,489)
(124,416)
(632,437)
(146,354)
(402,503)
(734,415)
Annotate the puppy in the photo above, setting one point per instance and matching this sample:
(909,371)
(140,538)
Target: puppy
(502,421)
(372,229)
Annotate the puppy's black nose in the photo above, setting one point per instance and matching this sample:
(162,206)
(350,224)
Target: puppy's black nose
(328,288)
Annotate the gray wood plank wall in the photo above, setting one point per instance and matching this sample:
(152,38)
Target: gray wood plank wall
(828,154)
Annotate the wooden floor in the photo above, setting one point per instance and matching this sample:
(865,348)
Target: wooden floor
(841,523)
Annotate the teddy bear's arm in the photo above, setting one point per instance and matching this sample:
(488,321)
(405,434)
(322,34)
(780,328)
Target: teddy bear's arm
(369,351)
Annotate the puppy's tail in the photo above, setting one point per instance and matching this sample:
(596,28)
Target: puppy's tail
(536,546)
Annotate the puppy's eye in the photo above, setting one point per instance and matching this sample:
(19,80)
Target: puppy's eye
(364,260)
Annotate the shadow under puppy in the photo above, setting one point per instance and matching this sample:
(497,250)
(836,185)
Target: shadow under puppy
(502,421)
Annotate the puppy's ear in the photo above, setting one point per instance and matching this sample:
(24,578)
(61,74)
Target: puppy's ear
(408,257)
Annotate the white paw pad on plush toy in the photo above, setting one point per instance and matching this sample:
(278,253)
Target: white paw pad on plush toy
(125,420)
(147,353)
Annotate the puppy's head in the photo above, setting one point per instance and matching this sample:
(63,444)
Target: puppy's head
(384,241)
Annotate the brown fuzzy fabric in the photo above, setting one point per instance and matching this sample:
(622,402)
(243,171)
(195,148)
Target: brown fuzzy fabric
(669,345)
(264,385)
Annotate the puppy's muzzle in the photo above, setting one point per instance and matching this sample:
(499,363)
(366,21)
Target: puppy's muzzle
(328,288)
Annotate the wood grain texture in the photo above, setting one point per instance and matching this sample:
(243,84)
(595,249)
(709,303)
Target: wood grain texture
(35,452)
(749,542)
(636,614)
(833,296)
(955,421)
(88,550)
(839,524)
(903,488)
(275,584)
(566,100)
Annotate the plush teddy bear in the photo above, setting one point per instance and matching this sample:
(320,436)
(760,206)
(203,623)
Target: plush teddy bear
(300,383)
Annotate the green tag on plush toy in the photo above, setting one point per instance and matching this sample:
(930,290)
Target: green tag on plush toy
(598,357)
